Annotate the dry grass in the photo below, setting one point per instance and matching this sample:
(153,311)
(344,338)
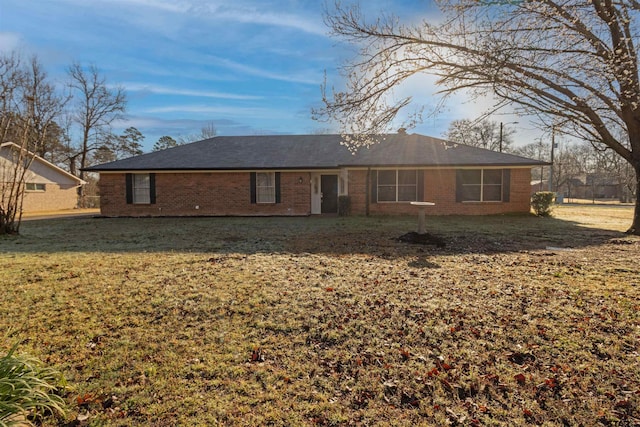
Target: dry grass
(330,321)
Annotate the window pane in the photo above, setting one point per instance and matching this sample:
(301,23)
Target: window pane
(492,193)
(386,193)
(387,178)
(141,180)
(492,176)
(407,177)
(32,186)
(141,186)
(407,193)
(265,195)
(471,193)
(264,179)
(470,176)
(265,187)
(141,195)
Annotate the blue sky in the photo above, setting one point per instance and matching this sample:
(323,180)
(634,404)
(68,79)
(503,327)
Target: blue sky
(247,66)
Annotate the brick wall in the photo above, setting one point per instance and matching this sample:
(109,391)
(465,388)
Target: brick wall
(55,197)
(215,194)
(228,194)
(439,187)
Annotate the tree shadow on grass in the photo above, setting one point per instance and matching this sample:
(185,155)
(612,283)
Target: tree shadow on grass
(377,236)
(423,262)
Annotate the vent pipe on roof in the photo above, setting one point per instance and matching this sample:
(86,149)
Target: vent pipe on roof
(402,131)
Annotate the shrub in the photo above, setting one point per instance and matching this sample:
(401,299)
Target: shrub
(344,205)
(542,202)
(27,390)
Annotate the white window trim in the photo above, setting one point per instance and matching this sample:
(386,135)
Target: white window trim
(35,188)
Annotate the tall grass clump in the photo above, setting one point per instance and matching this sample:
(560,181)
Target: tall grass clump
(27,390)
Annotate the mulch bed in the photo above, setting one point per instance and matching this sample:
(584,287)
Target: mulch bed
(422,239)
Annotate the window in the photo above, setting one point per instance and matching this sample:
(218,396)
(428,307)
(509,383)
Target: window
(265,187)
(141,188)
(32,186)
(480,185)
(397,185)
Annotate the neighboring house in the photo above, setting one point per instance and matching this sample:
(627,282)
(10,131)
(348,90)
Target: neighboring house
(305,174)
(47,187)
(591,186)
(539,185)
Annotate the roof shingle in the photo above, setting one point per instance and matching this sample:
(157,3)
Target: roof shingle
(312,152)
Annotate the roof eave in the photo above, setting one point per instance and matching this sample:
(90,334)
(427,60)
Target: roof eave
(294,168)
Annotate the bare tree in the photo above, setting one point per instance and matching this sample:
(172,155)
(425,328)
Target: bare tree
(573,63)
(37,81)
(29,108)
(484,133)
(96,108)
(206,132)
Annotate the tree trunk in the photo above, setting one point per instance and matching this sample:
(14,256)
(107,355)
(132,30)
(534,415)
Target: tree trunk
(635,225)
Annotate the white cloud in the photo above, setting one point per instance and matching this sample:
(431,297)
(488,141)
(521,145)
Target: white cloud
(165,90)
(9,41)
(247,12)
(251,15)
(264,73)
(252,112)
(167,6)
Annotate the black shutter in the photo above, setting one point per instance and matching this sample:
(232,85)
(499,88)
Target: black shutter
(374,186)
(278,192)
(506,184)
(420,186)
(458,186)
(252,185)
(152,188)
(129,188)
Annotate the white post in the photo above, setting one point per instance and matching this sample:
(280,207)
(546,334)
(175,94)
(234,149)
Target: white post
(422,229)
(422,207)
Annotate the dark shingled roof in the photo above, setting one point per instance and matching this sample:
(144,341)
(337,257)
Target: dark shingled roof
(312,152)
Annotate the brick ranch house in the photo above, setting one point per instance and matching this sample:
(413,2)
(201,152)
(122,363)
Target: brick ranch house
(305,174)
(47,187)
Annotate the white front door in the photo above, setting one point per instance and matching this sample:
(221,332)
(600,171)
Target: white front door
(316,194)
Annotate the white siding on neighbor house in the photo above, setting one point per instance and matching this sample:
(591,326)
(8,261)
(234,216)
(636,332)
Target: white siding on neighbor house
(43,173)
(60,187)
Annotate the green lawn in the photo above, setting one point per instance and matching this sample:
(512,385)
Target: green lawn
(332,321)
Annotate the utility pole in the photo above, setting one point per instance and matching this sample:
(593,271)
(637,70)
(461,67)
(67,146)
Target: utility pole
(501,126)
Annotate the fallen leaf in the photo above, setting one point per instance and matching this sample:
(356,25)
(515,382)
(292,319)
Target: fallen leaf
(405,354)
(256,355)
